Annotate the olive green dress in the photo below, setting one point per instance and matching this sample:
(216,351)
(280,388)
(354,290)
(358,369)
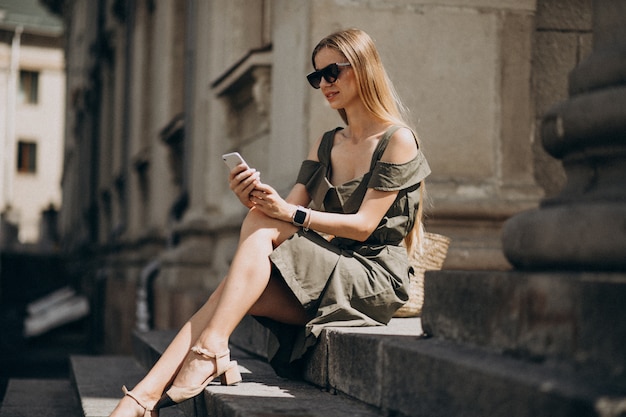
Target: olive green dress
(346,282)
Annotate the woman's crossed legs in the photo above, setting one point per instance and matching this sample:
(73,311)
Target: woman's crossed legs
(247,288)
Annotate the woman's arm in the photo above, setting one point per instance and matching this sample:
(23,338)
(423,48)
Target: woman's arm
(358,226)
(401,149)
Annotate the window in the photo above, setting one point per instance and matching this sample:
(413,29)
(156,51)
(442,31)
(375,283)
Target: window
(26,157)
(29,87)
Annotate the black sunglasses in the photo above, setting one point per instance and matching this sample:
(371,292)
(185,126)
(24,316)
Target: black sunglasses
(329,72)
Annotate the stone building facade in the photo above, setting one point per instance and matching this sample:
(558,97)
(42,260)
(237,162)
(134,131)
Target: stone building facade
(32,97)
(159,89)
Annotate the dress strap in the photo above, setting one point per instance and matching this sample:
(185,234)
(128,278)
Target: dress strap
(326,144)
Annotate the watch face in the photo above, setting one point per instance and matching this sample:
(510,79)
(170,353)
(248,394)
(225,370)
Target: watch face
(299,217)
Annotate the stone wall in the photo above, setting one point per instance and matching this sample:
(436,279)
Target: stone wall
(159,89)
(563,39)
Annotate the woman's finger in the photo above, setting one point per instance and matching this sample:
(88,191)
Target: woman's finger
(239,176)
(265,188)
(245,186)
(253,195)
(238,169)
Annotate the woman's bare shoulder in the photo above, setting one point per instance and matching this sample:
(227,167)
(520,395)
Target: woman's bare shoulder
(402,147)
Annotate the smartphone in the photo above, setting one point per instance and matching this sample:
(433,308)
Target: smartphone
(233,159)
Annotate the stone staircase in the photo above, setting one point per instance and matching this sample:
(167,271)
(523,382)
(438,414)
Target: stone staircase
(262,393)
(504,347)
(40,397)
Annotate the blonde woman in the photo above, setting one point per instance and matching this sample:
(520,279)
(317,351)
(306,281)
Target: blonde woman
(361,185)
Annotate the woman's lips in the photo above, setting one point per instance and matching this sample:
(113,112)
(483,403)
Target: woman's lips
(331,95)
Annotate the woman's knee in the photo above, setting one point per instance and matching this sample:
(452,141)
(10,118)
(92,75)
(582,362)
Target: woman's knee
(255,220)
(276,230)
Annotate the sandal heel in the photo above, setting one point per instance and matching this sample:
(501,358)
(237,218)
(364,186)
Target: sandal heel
(232,375)
(226,369)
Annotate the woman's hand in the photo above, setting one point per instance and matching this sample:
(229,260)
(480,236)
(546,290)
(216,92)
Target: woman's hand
(266,199)
(242,180)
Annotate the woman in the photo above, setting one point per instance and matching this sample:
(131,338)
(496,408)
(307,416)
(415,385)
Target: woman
(330,253)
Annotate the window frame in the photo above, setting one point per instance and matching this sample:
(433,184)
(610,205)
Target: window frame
(28,93)
(26,157)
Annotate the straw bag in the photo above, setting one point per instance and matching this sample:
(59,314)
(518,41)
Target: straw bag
(434,251)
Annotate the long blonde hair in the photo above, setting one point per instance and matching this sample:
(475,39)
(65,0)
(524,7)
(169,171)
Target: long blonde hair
(378,95)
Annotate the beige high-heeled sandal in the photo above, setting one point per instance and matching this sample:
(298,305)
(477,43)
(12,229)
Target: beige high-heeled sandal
(227,370)
(146,409)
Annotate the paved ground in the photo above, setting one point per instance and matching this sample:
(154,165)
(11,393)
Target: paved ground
(40,397)
(42,358)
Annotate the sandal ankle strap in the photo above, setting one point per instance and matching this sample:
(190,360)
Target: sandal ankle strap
(209,355)
(222,359)
(131,395)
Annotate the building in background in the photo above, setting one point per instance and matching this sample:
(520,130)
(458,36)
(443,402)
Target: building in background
(159,89)
(32,98)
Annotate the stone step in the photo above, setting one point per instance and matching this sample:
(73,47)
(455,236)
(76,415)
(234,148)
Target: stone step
(437,378)
(261,393)
(398,372)
(99,379)
(572,316)
(40,397)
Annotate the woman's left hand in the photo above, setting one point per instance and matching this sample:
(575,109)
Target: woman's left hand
(266,199)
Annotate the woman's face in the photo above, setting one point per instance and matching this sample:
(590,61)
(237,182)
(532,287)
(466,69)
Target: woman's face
(341,93)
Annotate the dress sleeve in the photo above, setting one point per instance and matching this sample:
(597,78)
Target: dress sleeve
(308,170)
(313,175)
(393,177)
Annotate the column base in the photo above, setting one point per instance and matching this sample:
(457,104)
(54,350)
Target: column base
(589,236)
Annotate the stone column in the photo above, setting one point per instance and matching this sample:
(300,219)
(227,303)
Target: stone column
(584,227)
(565,302)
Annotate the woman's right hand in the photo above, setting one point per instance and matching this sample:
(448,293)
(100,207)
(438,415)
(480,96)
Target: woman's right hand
(242,180)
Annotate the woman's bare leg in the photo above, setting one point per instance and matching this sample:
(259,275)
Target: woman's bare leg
(150,388)
(278,302)
(247,287)
(275,300)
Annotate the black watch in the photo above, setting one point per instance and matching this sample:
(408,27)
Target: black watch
(299,217)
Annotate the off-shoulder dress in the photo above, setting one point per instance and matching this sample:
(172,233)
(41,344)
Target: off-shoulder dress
(343,282)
